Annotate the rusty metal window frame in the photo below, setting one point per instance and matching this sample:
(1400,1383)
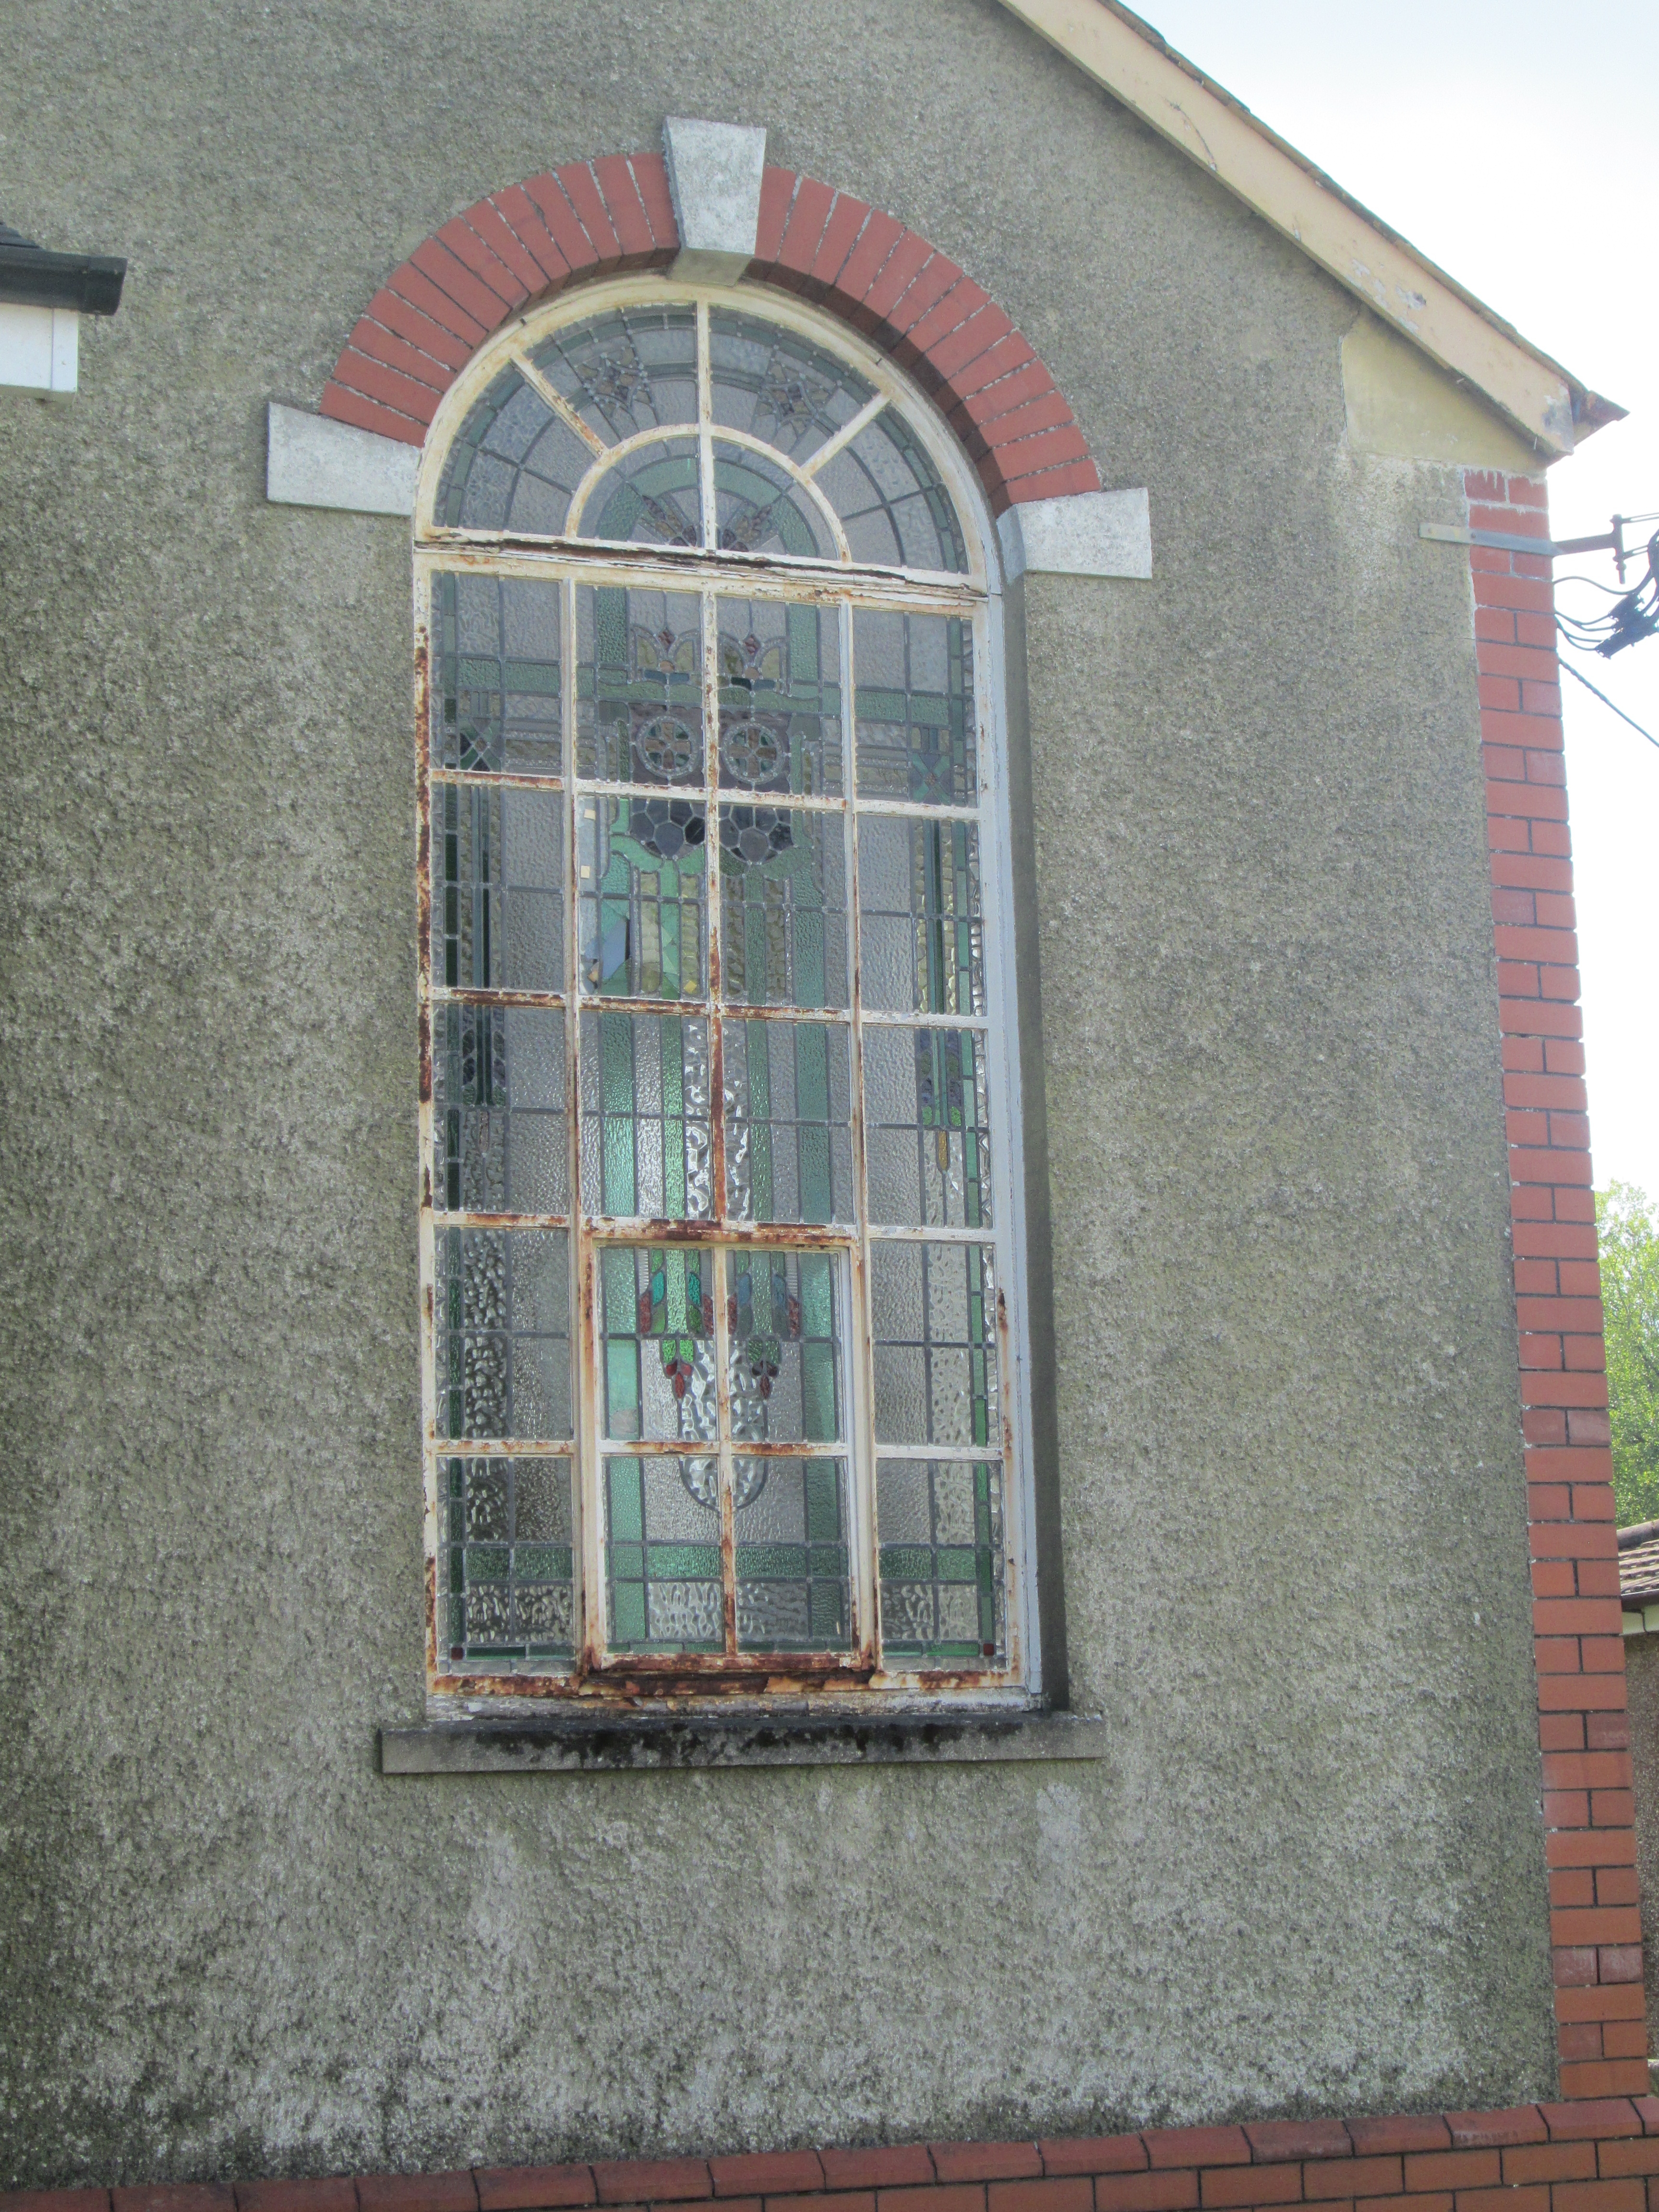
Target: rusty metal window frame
(696,1681)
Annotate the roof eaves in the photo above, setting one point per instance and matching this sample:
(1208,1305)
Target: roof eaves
(1129,59)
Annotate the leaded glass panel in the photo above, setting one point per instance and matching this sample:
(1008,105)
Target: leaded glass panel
(776,1160)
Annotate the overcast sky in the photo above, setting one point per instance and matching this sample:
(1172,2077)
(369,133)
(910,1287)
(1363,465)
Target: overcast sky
(1517,145)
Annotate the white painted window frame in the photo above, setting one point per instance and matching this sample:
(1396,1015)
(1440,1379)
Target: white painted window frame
(976,595)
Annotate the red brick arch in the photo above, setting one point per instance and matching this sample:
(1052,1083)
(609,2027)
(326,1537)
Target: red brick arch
(605,217)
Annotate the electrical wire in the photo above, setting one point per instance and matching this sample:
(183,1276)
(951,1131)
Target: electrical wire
(1633,616)
(1605,702)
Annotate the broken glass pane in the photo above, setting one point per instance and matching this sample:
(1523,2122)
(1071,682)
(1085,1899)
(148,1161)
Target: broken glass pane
(500,1329)
(783,906)
(663,1526)
(645,1144)
(642,879)
(495,675)
(632,370)
(513,466)
(639,686)
(500,1139)
(923,936)
(497,888)
(792,1555)
(926,1124)
(915,731)
(783,1323)
(940,1523)
(934,1315)
(506,1539)
(788,1116)
(778,385)
(779,697)
(657,1343)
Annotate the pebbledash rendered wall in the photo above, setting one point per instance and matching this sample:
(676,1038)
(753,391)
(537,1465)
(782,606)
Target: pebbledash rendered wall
(1293,1485)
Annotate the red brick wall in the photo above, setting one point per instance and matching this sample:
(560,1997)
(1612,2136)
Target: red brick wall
(604,218)
(1586,2156)
(1588,1811)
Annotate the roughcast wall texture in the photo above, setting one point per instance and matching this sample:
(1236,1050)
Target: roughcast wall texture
(1310,1877)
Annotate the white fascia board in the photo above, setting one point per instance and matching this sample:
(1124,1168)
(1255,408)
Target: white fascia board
(714,179)
(40,349)
(1089,533)
(312,461)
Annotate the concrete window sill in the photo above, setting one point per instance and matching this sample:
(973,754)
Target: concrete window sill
(595,1744)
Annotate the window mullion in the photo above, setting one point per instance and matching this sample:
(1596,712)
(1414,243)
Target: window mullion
(727,1496)
(861,1425)
(705,434)
(587,1502)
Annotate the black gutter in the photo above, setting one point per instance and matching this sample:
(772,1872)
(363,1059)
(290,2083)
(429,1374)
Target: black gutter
(31,276)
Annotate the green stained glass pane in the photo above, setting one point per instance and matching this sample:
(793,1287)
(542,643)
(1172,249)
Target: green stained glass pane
(500,1132)
(643,883)
(629,369)
(639,686)
(645,1134)
(779,696)
(777,386)
(914,715)
(498,888)
(783,906)
(650,496)
(922,934)
(793,1593)
(496,674)
(663,1553)
(926,1120)
(788,1122)
(783,1323)
(657,1328)
(513,1579)
(942,1569)
(936,1362)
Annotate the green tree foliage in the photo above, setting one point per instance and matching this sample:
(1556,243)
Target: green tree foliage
(1629,1232)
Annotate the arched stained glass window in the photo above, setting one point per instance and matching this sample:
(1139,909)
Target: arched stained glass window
(718,1205)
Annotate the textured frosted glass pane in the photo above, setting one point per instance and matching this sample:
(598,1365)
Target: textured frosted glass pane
(895,512)
(497,888)
(923,939)
(760,508)
(939,1522)
(783,1321)
(651,496)
(916,734)
(783,906)
(506,1564)
(657,1344)
(634,368)
(513,466)
(495,675)
(933,1308)
(642,878)
(788,1116)
(927,1120)
(644,1145)
(663,1527)
(778,385)
(792,1556)
(779,697)
(501,1322)
(639,685)
(500,1134)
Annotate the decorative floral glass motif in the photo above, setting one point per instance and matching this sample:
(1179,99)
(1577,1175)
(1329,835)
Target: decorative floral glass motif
(714,1177)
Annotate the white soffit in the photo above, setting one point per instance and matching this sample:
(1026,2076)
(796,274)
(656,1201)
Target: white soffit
(1090,533)
(312,461)
(40,349)
(1129,60)
(715,178)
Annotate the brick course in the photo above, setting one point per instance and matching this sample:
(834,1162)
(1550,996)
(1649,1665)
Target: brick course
(603,217)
